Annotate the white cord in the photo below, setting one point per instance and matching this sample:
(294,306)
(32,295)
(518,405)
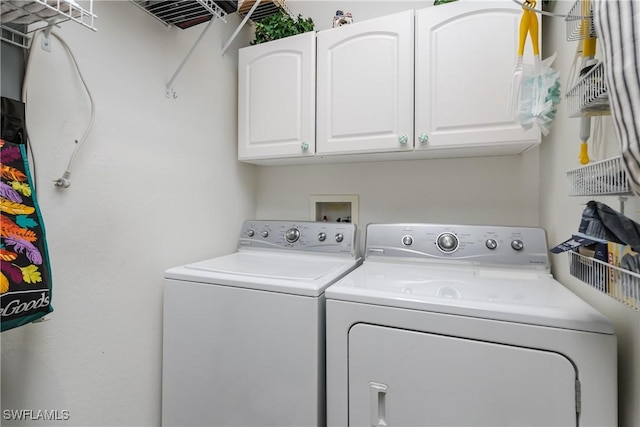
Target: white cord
(573,74)
(65,180)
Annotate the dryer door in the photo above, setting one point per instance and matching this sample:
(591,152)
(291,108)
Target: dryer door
(405,378)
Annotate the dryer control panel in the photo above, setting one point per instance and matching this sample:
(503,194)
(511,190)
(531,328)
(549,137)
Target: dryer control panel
(470,244)
(307,236)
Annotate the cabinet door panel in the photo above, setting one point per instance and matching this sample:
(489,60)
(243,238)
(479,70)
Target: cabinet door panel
(365,86)
(406,378)
(276,99)
(465,54)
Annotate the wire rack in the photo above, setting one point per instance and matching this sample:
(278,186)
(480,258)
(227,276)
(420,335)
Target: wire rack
(589,97)
(618,283)
(16,15)
(186,13)
(264,9)
(580,21)
(599,178)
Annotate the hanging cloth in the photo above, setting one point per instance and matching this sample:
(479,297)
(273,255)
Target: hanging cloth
(617,24)
(601,221)
(25,276)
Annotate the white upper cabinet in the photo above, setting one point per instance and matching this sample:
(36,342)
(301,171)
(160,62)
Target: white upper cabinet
(465,55)
(417,84)
(276,99)
(365,86)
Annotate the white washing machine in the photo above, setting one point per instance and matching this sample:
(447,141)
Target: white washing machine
(447,325)
(243,338)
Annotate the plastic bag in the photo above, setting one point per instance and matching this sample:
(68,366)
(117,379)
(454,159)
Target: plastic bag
(539,96)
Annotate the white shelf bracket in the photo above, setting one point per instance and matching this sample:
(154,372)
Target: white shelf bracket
(244,21)
(46,36)
(622,200)
(169,92)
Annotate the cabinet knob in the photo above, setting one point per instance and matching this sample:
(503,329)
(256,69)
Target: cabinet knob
(402,139)
(423,138)
(304,146)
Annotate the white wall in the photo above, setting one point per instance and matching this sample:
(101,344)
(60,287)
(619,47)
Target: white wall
(488,190)
(560,215)
(156,184)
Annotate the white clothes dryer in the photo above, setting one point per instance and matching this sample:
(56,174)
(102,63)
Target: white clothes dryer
(449,325)
(243,334)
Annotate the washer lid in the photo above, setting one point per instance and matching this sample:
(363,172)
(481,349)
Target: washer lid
(505,294)
(298,274)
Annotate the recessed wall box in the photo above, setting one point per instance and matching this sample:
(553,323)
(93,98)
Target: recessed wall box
(334,208)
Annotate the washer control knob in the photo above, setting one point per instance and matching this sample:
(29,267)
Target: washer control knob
(517,245)
(292,235)
(322,236)
(251,233)
(407,240)
(339,237)
(264,233)
(491,244)
(447,242)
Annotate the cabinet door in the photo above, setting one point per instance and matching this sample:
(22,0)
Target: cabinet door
(407,378)
(276,99)
(365,86)
(465,55)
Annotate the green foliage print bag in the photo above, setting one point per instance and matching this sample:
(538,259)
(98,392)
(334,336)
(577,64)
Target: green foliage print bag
(25,276)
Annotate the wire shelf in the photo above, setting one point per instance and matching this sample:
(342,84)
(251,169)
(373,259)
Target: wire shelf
(589,97)
(186,13)
(18,14)
(580,21)
(618,283)
(16,36)
(264,9)
(606,177)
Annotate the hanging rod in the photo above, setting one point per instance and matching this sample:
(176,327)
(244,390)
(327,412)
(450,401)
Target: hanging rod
(544,12)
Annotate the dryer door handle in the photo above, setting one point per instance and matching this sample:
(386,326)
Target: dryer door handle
(377,404)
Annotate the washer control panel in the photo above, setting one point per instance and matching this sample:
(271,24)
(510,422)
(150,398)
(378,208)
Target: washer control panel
(308,236)
(475,244)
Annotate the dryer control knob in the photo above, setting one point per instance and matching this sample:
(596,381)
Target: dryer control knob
(339,237)
(292,235)
(407,240)
(250,233)
(264,233)
(447,242)
(322,236)
(491,244)
(517,245)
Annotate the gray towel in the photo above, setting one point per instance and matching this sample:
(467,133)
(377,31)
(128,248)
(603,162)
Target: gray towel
(599,220)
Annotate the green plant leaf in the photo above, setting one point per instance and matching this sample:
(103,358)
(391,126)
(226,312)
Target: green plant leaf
(280,25)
